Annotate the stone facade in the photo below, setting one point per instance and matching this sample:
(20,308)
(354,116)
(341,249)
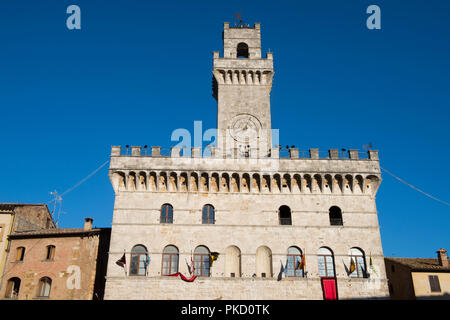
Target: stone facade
(247,191)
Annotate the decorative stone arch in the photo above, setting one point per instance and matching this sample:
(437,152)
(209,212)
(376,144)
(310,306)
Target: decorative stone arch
(348,183)
(173,182)
(119,181)
(371,184)
(203,185)
(296,183)
(285,183)
(142,181)
(327,184)
(132,181)
(183,183)
(242,50)
(275,183)
(358,184)
(162,181)
(264,262)
(224,182)
(266,183)
(214,182)
(245,183)
(317,183)
(233,262)
(338,183)
(193,182)
(255,183)
(307,184)
(235,183)
(152,184)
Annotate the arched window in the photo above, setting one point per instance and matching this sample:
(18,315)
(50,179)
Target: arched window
(139,261)
(166,213)
(264,262)
(284,215)
(201,261)
(208,214)
(20,253)
(336,216)
(359,261)
(50,252)
(294,258)
(326,262)
(12,288)
(242,50)
(233,262)
(169,260)
(45,285)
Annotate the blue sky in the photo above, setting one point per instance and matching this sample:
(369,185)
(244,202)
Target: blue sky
(137,70)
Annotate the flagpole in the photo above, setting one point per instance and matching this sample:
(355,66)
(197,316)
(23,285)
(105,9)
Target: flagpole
(125,269)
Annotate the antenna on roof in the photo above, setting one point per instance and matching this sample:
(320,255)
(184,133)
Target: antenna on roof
(57,204)
(241,23)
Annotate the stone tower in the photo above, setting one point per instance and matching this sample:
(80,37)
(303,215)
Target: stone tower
(241,85)
(255,206)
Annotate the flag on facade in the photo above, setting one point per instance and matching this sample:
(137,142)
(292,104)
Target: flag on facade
(301,264)
(280,274)
(189,267)
(122,261)
(352,265)
(192,265)
(213,257)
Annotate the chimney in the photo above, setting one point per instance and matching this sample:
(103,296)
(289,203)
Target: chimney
(88,223)
(442,257)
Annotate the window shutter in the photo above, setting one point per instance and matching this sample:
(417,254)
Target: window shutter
(434,284)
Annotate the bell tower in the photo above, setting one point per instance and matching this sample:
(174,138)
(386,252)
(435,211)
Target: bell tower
(242,83)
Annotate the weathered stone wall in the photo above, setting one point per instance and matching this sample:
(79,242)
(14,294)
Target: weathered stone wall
(247,221)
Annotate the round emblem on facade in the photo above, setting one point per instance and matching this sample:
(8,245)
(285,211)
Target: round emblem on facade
(244,128)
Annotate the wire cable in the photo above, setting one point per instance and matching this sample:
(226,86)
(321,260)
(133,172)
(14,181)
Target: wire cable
(80,182)
(417,189)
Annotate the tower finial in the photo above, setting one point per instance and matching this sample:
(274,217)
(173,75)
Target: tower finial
(241,23)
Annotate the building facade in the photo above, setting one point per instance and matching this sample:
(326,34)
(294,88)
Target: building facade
(419,278)
(56,263)
(263,211)
(16,217)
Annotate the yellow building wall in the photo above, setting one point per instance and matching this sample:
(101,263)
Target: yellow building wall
(5,225)
(422,287)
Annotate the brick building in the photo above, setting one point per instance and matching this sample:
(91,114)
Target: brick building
(56,263)
(17,217)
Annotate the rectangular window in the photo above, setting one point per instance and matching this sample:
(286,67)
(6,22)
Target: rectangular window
(434,283)
(20,253)
(50,252)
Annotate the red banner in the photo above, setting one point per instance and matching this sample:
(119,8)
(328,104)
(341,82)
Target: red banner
(182,277)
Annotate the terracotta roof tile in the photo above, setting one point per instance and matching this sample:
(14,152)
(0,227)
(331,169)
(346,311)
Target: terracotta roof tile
(420,263)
